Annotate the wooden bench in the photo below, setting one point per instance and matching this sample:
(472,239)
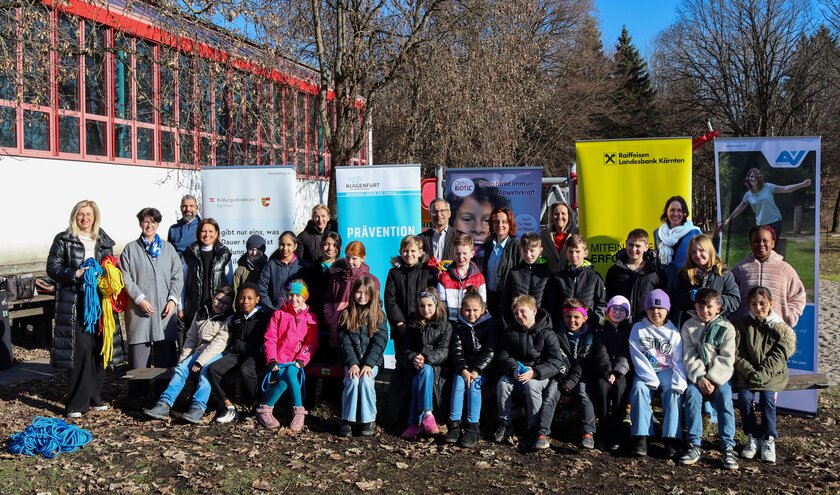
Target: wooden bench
(141,380)
(808,381)
(38,312)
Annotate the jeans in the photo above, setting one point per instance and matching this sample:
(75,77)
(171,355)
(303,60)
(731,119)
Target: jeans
(182,372)
(422,394)
(767,406)
(359,395)
(585,408)
(288,377)
(473,398)
(722,401)
(641,412)
(541,397)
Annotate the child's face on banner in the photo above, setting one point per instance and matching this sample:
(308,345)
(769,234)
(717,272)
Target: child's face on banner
(473,217)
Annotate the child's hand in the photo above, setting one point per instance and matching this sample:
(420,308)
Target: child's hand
(366,371)
(419,361)
(353,371)
(706,387)
(196,368)
(468,378)
(526,377)
(611,379)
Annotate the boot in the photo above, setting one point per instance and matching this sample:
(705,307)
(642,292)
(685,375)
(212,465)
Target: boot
(453,433)
(470,437)
(265,417)
(297,420)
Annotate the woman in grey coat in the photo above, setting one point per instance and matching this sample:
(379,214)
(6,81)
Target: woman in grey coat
(153,277)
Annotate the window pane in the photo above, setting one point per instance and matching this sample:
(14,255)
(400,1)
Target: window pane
(167,86)
(301,163)
(68,64)
(8,127)
(145,143)
(68,134)
(36,130)
(186,91)
(145,78)
(36,57)
(289,111)
(187,148)
(278,115)
(205,83)
(222,110)
(167,146)
(8,63)
(237,156)
(300,120)
(122,141)
(221,152)
(206,152)
(95,80)
(122,76)
(96,138)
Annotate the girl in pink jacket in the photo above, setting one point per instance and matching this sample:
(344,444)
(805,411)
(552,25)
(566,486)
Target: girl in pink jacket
(290,342)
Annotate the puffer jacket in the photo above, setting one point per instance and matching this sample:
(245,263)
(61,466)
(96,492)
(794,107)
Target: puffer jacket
(207,336)
(339,285)
(635,285)
(309,240)
(611,350)
(432,341)
(764,347)
(246,335)
(525,279)
(402,286)
(452,287)
(473,345)
(720,349)
(778,276)
(220,275)
(580,354)
(362,349)
(291,336)
(243,274)
(537,347)
(582,283)
(681,296)
(274,277)
(67,254)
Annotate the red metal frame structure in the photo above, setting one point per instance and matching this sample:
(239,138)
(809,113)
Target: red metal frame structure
(108,85)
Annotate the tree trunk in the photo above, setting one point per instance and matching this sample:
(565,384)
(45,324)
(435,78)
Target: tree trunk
(835,221)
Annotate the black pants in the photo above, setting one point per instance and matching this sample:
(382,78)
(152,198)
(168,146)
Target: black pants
(248,374)
(88,373)
(610,403)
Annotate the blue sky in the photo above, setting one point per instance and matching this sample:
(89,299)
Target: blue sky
(643,18)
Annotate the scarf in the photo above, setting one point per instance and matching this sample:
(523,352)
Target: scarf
(153,248)
(713,337)
(668,238)
(560,240)
(255,264)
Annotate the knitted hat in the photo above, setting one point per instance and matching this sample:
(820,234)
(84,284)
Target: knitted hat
(255,241)
(298,287)
(658,299)
(620,301)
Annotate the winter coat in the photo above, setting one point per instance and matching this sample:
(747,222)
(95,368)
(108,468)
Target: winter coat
(525,279)
(556,259)
(159,280)
(291,336)
(246,335)
(339,285)
(243,274)
(361,349)
(273,279)
(580,355)
(309,241)
(680,255)
(682,294)
(452,287)
(207,336)
(432,341)
(428,237)
(220,275)
(182,234)
(763,349)
(473,345)
(582,283)
(67,254)
(635,285)
(402,286)
(655,349)
(537,347)
(778,276)
(510,258)
(611,350)
(718,337)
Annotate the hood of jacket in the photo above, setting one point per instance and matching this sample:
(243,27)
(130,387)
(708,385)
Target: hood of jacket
(258,264)
(342,269)
(471,270)
(650,257)
(481,319)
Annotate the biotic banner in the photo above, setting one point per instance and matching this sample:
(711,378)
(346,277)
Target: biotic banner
(378,205)
(775,181)
(623,185)
(247,201)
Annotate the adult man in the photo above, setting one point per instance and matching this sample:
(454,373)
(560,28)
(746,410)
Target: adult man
(182,233)
(437,241)
(309,241)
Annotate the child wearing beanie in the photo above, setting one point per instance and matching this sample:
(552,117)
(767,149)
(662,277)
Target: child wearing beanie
(251,262)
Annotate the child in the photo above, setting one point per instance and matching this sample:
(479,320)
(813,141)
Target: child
(636,273)
(471,352)
(529,277)
(579,280)
(611,369)
(282,267)
(704,269)
(656,351)
(250,264)
(290,341)
(363,332)
(205,341)
(406,279)
(461,274)
(765,343)
(342,274)
(579,337)
(426,350)
(530,357)
(244,353)
(708,356)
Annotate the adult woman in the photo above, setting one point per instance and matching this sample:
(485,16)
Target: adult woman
(153,277)
(75,348)
(501,253)
(703,270)
(207,269)
(673,236)
(309,247)
(759,197)
(553,236)
(765,267)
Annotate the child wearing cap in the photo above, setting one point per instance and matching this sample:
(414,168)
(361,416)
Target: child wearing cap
(290,341)
(251,263)
(656,353)
(610,371)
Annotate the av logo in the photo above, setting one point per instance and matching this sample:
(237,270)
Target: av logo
(609,158)
(790,158)
(266,201)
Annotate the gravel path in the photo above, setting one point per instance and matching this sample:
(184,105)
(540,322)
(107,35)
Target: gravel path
(829,359)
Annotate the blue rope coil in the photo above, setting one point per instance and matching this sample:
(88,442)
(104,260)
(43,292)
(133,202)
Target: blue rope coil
(49,437)
(92,305)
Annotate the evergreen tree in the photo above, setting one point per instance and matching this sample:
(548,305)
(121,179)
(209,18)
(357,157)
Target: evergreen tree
(636,113)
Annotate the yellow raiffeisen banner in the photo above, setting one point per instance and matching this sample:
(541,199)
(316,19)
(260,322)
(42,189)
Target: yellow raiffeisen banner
(623,185)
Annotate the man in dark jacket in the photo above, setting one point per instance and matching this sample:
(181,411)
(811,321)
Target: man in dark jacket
(636,273)
(182,233)
(309,240)
(438,241)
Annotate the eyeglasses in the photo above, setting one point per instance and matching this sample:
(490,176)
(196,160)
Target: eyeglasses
(225,301)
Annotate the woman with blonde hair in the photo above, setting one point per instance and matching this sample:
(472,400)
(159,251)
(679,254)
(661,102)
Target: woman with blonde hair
(703,270)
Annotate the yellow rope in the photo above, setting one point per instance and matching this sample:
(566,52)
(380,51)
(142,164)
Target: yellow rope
(110,285)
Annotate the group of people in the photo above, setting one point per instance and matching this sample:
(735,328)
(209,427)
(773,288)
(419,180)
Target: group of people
(530,317)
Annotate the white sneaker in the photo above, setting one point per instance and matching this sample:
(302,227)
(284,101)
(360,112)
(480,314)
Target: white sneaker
(768,450)
(227,416)
(74,415)
(751,447)
(100,407)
